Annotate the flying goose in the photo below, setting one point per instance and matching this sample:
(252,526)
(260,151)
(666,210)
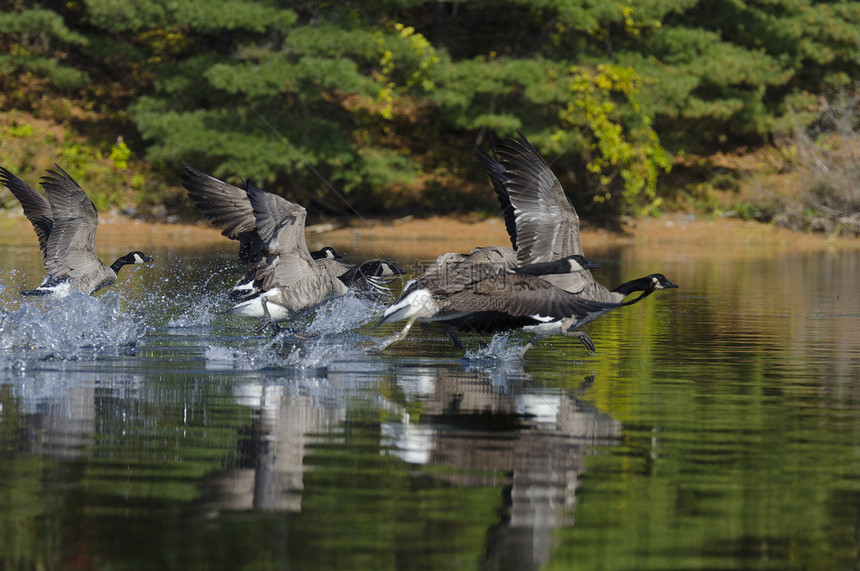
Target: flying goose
(543,226)
(489,298)
(288,279)
(558,324)
(229,207)
(284,277)
(546,226)
(247,286)
(65,224)
(541,222)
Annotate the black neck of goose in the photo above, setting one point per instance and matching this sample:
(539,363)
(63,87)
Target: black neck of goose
(640,284)
(646,285)
(539,269)
(119,263)
(545,268)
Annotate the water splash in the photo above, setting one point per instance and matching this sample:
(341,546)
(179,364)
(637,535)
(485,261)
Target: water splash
(72,327)
(219,357)
(323,340)
(341,314)
(194,311)
(502,347)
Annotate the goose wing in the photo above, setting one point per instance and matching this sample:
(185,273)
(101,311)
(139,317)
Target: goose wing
(547,224)
(36,207)
(496,172)
(511,300)
(289,266)
(280,223)
(300,282)
(71,246)
(227,207)
(334,267)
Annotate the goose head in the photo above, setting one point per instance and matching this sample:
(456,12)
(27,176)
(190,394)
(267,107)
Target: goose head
(136,257)
(384,268)
(579,263)
(327,253)
(659,281)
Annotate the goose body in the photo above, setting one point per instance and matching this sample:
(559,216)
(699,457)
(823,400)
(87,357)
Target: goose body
(558,324)
(486,298)
(65,223)
(284,277)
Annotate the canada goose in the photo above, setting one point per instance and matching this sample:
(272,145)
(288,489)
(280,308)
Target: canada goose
(541,222)
(284,277)
(247,285)
(65,224)
(543,226)
(356,274)
(547,225)
(558,324)
(487,298)
(288,279)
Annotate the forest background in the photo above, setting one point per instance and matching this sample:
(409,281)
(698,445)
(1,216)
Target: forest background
(713,106)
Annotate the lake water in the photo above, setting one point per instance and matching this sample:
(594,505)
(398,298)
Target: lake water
(716,428)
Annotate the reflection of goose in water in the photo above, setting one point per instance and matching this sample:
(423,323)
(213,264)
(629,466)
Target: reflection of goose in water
(66,225)
(270,467)
(284,278)
(61,416)
(475,430)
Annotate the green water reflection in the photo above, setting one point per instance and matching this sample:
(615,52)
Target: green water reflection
(716,428)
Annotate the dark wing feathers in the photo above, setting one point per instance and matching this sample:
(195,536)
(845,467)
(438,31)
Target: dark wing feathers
(495,299)
(489,322)
(496,172)
(529,184)
(227,207)
(522,295)
(71,246)
(567,241)
(493,308)
(280,223)
(547,224)
(36,207)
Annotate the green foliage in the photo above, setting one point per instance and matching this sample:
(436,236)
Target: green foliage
(119,154)
(28,149)
(31,39)
(368,97)
(747,211)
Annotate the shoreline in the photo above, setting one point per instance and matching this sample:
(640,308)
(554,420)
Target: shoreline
(411,236)
(408,236)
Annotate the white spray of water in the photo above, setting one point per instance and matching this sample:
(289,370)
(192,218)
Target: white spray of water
(323,339)
(72,327)
(502,347)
